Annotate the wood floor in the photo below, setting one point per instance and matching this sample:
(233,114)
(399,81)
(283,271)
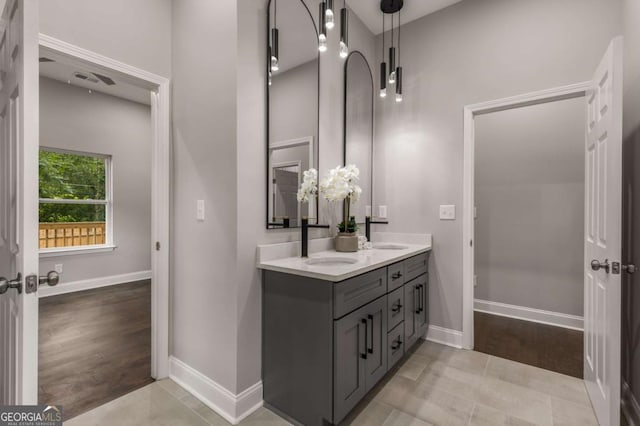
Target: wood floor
(94,346)
(552,348)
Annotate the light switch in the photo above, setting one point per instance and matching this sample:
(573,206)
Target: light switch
(367,211)
(448,212)
(200,210)
(382,212)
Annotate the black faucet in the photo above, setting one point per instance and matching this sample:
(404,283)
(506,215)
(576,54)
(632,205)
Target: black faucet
(367,225)
(305,234)
(285,223)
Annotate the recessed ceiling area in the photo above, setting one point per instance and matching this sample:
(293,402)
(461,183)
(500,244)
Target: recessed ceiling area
(55,68)
(369,11)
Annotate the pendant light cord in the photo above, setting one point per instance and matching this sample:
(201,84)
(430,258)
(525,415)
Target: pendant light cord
(382,36)
(399,37)
(275,13)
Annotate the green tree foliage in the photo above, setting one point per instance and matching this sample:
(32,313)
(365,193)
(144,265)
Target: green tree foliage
(71,177)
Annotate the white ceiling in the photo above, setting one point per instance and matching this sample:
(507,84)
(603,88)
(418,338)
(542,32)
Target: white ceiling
(62,71)
(369,11)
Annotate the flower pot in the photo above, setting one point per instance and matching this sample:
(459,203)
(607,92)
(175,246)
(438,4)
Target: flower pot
(346,242)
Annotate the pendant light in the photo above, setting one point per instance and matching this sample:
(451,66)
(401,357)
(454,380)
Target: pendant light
(322,35)
(344,30)
(399,69)
(275,64)
(383,68)
(328,15)
(392,58)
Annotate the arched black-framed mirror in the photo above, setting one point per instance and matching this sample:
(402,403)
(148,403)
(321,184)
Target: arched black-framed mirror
(358,127)
(293,94)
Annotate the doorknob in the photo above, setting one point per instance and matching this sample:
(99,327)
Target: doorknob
(6,284)
(52,278)
(596,265)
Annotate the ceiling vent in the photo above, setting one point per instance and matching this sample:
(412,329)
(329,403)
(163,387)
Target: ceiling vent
(85,77)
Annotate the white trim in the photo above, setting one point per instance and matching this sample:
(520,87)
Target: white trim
(233,408)
(74,286)
(444,336)
(306,140)
(160,181)
(470,112)
(76,250)
(541,316)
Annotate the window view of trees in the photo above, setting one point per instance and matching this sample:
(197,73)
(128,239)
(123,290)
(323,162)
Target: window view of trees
(65,176)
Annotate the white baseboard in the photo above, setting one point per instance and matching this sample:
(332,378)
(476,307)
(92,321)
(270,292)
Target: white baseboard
(234,408)
(530,314)
(71,287)
(445,336)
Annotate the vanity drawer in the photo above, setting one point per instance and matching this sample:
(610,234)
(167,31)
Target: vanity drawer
(395,308)
(395,346)
(415,266)
(395,276)
(355,292)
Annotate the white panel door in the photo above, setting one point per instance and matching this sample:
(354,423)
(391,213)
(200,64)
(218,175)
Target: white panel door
(19,198)
(603,231)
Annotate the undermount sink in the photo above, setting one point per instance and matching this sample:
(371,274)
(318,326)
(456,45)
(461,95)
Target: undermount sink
(389,246)
(331,261)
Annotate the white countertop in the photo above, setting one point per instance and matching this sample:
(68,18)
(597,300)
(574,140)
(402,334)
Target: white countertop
(366,260)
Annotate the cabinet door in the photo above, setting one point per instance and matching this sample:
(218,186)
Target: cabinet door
(410,314)
(422,313)
(376,342)
(350,356)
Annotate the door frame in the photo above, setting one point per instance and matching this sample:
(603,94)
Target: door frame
(159,88)
(468,226)
(300,172)
(290,143)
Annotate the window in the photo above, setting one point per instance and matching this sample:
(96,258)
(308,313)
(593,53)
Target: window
(75,200)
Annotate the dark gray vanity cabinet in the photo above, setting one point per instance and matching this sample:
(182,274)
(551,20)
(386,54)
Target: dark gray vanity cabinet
(416,313)
(326,344)
(360,357)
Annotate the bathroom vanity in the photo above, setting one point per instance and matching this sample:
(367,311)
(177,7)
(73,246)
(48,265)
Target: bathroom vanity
(334,325)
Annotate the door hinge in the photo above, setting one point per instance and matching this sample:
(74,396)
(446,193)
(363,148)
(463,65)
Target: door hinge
(157,245)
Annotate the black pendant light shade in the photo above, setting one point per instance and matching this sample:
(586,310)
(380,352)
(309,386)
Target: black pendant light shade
(383,80)
(392,65)
(322,35)
(275,64)
(344,32)
(329,20)
(399,84)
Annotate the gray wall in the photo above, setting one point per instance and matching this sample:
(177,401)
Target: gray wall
(474,51)
(204,279)
(293,99)
(73,119)
(136,32)
(631,197)
(530,206)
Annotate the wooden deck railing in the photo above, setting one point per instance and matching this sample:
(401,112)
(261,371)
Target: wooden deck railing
(61,234)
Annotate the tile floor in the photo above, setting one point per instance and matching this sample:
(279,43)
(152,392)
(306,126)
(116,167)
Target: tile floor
(434,385)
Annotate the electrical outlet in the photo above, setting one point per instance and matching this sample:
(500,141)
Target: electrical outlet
(58,268)
(382,212)
(200,210)
(448,212)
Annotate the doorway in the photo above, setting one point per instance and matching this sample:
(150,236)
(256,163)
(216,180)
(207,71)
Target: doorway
(94,235)
(528,238)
